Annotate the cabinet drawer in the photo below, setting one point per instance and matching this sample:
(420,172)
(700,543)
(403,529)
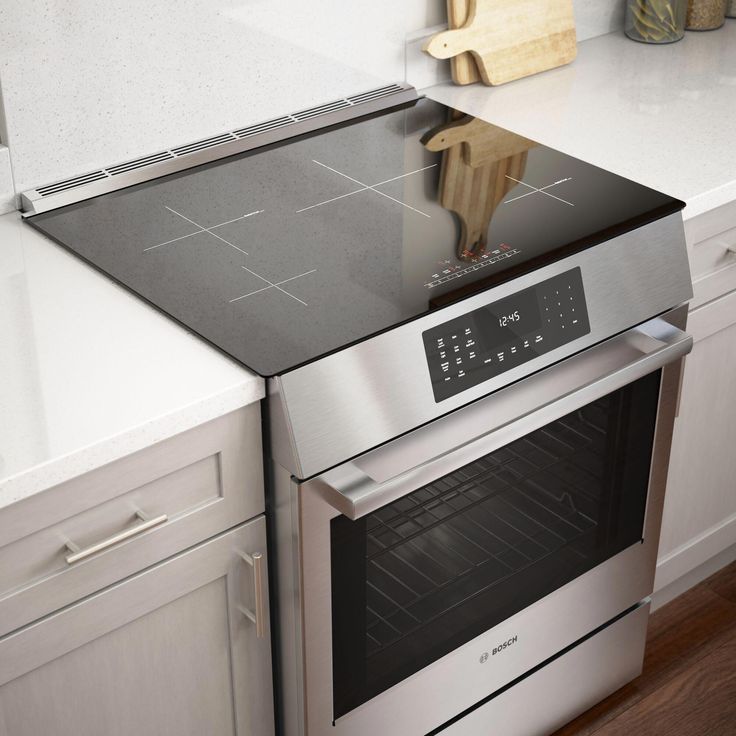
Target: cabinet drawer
(80,536)
(713,267)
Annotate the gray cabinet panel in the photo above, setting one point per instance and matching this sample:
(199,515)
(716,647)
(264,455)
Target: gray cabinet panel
(167,651)
(205,480)
(699,518)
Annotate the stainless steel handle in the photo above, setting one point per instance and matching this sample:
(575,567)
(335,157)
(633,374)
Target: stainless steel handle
(542,398)
(258,617)
(76,554)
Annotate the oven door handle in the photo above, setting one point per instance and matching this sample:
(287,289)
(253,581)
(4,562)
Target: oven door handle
(354,490)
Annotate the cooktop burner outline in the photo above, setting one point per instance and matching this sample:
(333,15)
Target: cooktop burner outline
(272,285)
(203,229)
(539,190)
(368,187)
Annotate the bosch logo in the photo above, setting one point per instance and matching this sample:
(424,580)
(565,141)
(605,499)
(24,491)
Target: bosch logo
(484,657)
(504,645)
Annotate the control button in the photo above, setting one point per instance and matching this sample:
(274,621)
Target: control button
(526,342)
(500,357)
(513,349)
(470,343)
(538,338)
(467,331)
(487,360)
(472,355)
(447,378)
(458,360)
(456,349)
(461,374)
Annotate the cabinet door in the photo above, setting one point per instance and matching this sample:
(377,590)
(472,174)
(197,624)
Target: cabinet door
(700,505)
(170,651)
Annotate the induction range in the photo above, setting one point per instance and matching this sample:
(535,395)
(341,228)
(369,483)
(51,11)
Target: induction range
(473,346)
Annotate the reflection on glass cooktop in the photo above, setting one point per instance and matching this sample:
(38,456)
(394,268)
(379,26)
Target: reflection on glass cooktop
(286,253)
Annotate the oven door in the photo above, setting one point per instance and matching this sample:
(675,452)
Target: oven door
(442,566)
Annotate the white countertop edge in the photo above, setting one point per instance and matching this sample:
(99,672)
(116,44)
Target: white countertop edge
(710,200)
(83,460)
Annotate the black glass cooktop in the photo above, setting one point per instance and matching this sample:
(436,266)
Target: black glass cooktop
(286,253)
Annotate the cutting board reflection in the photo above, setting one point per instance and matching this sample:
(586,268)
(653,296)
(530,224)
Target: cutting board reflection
(480,165)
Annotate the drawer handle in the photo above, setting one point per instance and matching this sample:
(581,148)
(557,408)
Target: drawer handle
(76,554)
(258,617)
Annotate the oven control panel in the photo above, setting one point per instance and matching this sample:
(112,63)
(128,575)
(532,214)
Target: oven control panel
(491,340)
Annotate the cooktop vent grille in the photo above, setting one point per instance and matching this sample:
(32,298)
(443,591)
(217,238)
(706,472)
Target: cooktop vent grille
(263,127)
(374,94)
(162,157)
(77,181)
(138,163)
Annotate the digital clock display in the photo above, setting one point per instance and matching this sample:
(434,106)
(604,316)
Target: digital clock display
(506,319)
(509,318)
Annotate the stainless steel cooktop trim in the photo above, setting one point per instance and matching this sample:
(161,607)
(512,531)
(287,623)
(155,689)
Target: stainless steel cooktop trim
(144,168)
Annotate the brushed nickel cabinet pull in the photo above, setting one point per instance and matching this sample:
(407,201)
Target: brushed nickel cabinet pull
(76,554)
(258,617)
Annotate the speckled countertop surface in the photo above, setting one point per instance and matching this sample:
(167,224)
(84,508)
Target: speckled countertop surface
(661,115)
(89,373)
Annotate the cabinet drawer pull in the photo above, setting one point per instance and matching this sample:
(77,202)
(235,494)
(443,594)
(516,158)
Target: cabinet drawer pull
(259,616)
(76,554)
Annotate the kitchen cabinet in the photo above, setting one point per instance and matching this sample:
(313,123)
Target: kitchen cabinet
(169,651)
(128,515)
(700,507)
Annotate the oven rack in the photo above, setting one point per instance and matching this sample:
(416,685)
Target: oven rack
(441,545)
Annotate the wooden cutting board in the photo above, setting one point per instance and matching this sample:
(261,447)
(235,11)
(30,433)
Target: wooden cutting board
(510,39)
(473,191)
(463,66)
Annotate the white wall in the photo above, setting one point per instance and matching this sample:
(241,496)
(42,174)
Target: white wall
(95,82)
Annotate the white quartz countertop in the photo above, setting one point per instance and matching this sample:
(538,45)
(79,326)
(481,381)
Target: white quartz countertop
(661,115)
(90,373)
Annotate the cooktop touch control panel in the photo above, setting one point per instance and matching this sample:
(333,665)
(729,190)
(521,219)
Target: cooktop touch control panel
(491,340)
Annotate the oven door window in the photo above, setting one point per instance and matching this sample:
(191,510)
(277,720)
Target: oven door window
(427,573)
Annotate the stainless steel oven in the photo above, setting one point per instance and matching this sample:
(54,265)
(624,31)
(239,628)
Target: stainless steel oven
(433,582)
(472,345)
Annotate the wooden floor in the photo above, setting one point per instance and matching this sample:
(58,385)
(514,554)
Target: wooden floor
(688,686)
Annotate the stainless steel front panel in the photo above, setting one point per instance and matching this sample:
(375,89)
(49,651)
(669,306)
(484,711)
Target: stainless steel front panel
(345,404)
(566,687)
(425,700)
(359,487)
